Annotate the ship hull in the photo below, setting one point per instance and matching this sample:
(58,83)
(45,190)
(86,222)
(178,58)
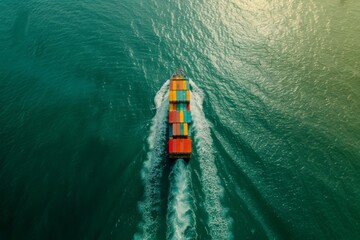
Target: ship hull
(179,117)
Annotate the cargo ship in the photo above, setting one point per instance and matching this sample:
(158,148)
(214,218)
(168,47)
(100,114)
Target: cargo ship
(180,144)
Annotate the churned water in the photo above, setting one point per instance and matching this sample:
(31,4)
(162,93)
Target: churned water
(275,104)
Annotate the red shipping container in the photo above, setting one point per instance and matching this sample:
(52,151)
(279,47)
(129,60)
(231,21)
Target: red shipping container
(174,116)
(188,145)
(171,145)
(171,117)
(181,145)
(176,145)
(187,106)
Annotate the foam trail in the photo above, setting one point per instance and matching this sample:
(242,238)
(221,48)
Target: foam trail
(152,170)
(220,224)
(180,217)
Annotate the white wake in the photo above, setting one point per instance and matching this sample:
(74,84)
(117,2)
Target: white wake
(180,217)
(220,224)
(152,170)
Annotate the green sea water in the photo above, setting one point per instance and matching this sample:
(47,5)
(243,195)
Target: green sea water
(276,119)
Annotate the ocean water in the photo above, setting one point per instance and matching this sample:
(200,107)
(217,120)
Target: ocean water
(275,103)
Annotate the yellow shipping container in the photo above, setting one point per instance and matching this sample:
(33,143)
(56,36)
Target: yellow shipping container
(172,96)
(181,116)
(186,129)
(188,95)
(184,85)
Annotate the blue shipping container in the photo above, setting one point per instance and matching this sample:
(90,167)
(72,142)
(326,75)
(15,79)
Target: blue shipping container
(182,129)
(170,130)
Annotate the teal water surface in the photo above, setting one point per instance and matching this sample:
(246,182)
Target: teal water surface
(275,103)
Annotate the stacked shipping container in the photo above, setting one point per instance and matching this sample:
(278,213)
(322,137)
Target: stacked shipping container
(180,145)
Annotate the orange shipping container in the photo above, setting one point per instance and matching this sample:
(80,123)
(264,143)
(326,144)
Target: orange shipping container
(176,129)
(172,85)
(179,145)
(177,117)
(176,145)
(188,146)
(170,96)
(171,117)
